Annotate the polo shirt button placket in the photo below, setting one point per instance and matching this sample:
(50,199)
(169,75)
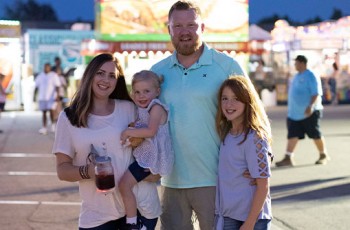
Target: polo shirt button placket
(185,71)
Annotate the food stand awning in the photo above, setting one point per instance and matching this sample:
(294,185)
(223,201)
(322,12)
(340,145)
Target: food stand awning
(259,34)
(91,47)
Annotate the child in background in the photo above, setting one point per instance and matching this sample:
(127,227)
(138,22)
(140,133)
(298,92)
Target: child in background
(245,134)
(155,154)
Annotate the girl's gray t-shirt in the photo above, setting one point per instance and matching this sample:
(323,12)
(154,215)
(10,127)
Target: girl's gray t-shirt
(234,194)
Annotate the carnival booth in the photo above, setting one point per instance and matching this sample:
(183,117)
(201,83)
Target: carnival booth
(42,46)
(325,44)
(136,31)
(10,59)
(341,30)
(260,64)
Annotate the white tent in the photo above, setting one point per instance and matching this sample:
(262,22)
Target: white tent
(257,33)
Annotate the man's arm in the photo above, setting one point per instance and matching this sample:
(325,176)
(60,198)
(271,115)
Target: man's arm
(35,92)
(310,108)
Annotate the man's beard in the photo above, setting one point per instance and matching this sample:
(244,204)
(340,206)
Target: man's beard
(186,49)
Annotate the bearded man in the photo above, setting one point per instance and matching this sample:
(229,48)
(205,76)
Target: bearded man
(192,76)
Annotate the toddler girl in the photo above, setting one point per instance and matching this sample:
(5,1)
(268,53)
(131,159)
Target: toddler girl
(155,154)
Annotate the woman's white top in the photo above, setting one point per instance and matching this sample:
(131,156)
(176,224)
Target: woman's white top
(104,132)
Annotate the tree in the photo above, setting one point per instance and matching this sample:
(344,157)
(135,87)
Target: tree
(30,11)
(314,20)
(272,19)
(336,14)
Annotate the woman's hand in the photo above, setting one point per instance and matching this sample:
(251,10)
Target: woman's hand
(123,137)
(127,140)
(135,141)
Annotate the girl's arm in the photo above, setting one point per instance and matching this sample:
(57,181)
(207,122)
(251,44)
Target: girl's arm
(66,171)
(158,116)
(262,189)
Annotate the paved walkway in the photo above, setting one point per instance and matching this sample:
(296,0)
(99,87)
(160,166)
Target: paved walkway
(307,196)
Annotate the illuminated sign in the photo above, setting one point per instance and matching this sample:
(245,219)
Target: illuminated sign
(146,20)
(10,29)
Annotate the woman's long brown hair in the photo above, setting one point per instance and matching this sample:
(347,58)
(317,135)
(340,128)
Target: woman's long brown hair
(81,103)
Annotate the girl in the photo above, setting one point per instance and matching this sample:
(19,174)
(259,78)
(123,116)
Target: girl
(100,110)
(245,134)
(155,154)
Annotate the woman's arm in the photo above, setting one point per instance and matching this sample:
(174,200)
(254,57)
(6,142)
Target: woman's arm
(66,171)
(262,189)
(157,117)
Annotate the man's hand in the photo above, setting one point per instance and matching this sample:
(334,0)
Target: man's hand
(308,111)
(246,174)
(153,178)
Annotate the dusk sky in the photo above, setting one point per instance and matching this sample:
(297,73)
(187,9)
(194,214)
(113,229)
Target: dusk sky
(297,10)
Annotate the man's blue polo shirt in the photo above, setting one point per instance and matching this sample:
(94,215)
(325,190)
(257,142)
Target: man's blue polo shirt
(191,95)
(303,87)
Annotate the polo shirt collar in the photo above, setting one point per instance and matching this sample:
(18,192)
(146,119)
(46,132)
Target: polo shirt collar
(204,59)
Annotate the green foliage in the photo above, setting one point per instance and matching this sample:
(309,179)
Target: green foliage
(337,13)
(30,10)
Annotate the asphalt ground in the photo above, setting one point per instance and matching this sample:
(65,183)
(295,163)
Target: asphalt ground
(306,196)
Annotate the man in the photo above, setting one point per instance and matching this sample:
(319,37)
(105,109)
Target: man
(304,112)
(192,76)
(57,66)
(47,85)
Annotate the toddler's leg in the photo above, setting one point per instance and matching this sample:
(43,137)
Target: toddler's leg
(131,177)
(126,184)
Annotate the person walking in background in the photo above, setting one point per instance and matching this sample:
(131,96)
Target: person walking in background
(2,96)
(155,154)
(47,85)
(332,82)
(100,110)
(245,135)
(304,112)
(259,76)
(192,77)
(61,94)
(57,67)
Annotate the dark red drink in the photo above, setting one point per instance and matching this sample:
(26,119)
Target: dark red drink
(105,183)
(104,175)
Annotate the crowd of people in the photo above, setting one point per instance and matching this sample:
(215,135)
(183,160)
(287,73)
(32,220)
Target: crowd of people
(194,121)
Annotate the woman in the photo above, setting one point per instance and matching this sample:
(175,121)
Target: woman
(100,110)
